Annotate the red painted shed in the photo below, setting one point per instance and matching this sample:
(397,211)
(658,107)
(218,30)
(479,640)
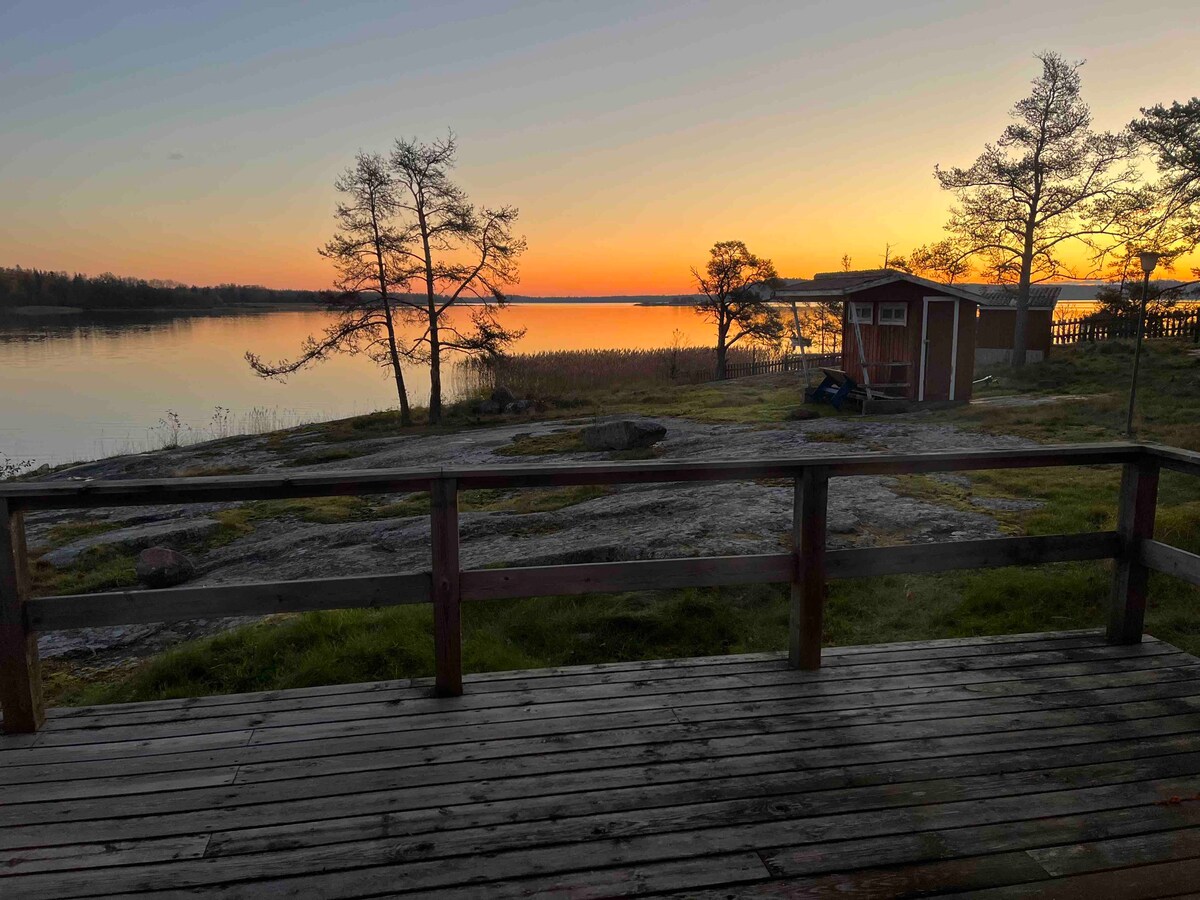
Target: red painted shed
(915,336)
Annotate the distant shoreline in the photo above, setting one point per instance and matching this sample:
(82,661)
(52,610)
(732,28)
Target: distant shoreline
(66,311)
(31,311)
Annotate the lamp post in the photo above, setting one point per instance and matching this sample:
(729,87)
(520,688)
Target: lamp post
(1148,261)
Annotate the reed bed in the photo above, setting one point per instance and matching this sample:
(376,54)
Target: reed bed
(565,373)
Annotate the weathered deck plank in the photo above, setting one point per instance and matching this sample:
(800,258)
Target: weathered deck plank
(1006,766)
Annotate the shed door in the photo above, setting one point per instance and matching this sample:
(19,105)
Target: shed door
(939,345)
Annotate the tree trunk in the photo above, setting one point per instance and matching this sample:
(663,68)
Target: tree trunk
(435,349)
(397,372)
(1021,324)
(722,351)
(435,368)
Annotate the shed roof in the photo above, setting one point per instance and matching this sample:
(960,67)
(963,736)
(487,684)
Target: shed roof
(842,284)
(1004,296)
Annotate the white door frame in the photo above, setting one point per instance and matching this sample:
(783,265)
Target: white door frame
(925,344)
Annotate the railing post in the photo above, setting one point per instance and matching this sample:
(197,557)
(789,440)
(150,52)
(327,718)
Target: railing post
(806,619)
(20,674)
(1135,523)
(447,617)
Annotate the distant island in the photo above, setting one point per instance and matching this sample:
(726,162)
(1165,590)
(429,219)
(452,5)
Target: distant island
(36,291)
(44,292)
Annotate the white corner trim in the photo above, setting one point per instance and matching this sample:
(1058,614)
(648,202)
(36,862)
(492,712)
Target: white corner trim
(954,352)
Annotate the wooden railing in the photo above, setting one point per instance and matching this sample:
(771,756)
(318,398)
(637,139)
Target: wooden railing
(771,366)
(1179,324)
(807,567)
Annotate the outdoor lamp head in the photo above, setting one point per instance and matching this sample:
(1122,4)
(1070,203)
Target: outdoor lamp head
(1148,260)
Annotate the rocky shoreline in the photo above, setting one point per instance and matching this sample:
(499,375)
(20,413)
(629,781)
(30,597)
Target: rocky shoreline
(631,522)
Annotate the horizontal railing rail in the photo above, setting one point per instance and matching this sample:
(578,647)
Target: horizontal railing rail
(807,567)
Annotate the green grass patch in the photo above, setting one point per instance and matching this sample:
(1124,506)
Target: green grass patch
(98,569)
(66,532)
(324,455)
(829,437)
(241,520)
(544,444)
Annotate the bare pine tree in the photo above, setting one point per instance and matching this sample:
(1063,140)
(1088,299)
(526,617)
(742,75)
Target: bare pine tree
(731,301)
(457,253)
(1171,219)
(367,251)
(1048,181)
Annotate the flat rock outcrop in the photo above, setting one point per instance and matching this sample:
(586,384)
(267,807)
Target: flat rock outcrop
(136,537)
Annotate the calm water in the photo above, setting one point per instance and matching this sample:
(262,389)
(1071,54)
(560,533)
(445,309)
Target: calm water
(76,388)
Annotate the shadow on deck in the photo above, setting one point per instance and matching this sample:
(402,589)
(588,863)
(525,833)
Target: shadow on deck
(1017,766)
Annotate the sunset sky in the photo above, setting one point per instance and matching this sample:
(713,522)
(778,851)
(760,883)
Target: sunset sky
(199,141)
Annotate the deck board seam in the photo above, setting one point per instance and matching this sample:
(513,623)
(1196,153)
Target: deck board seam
(750,731)
(932,704)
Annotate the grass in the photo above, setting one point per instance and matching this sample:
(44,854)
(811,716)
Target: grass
(830,437)
(1168,407)
(348,646)
(66,532)
(544,444)
(98,569)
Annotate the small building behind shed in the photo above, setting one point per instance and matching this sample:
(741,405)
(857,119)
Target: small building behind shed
(996,334)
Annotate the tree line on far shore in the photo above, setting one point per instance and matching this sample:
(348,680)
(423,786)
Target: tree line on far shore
(21,287)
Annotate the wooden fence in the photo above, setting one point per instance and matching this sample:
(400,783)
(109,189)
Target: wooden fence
(794,363)
(806,567)
(1180,324)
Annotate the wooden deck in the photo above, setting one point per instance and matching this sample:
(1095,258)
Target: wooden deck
(1014,766)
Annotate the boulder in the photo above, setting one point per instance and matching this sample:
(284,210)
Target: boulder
(162,567)
(518,406)
(623,434)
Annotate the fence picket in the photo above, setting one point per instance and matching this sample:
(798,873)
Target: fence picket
(1183,324)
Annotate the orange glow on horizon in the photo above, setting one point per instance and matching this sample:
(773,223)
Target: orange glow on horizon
(199,143)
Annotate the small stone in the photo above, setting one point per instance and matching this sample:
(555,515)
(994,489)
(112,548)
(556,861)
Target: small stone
(623,434)
(162,567)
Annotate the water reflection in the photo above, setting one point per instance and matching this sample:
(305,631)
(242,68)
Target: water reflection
(84,386)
